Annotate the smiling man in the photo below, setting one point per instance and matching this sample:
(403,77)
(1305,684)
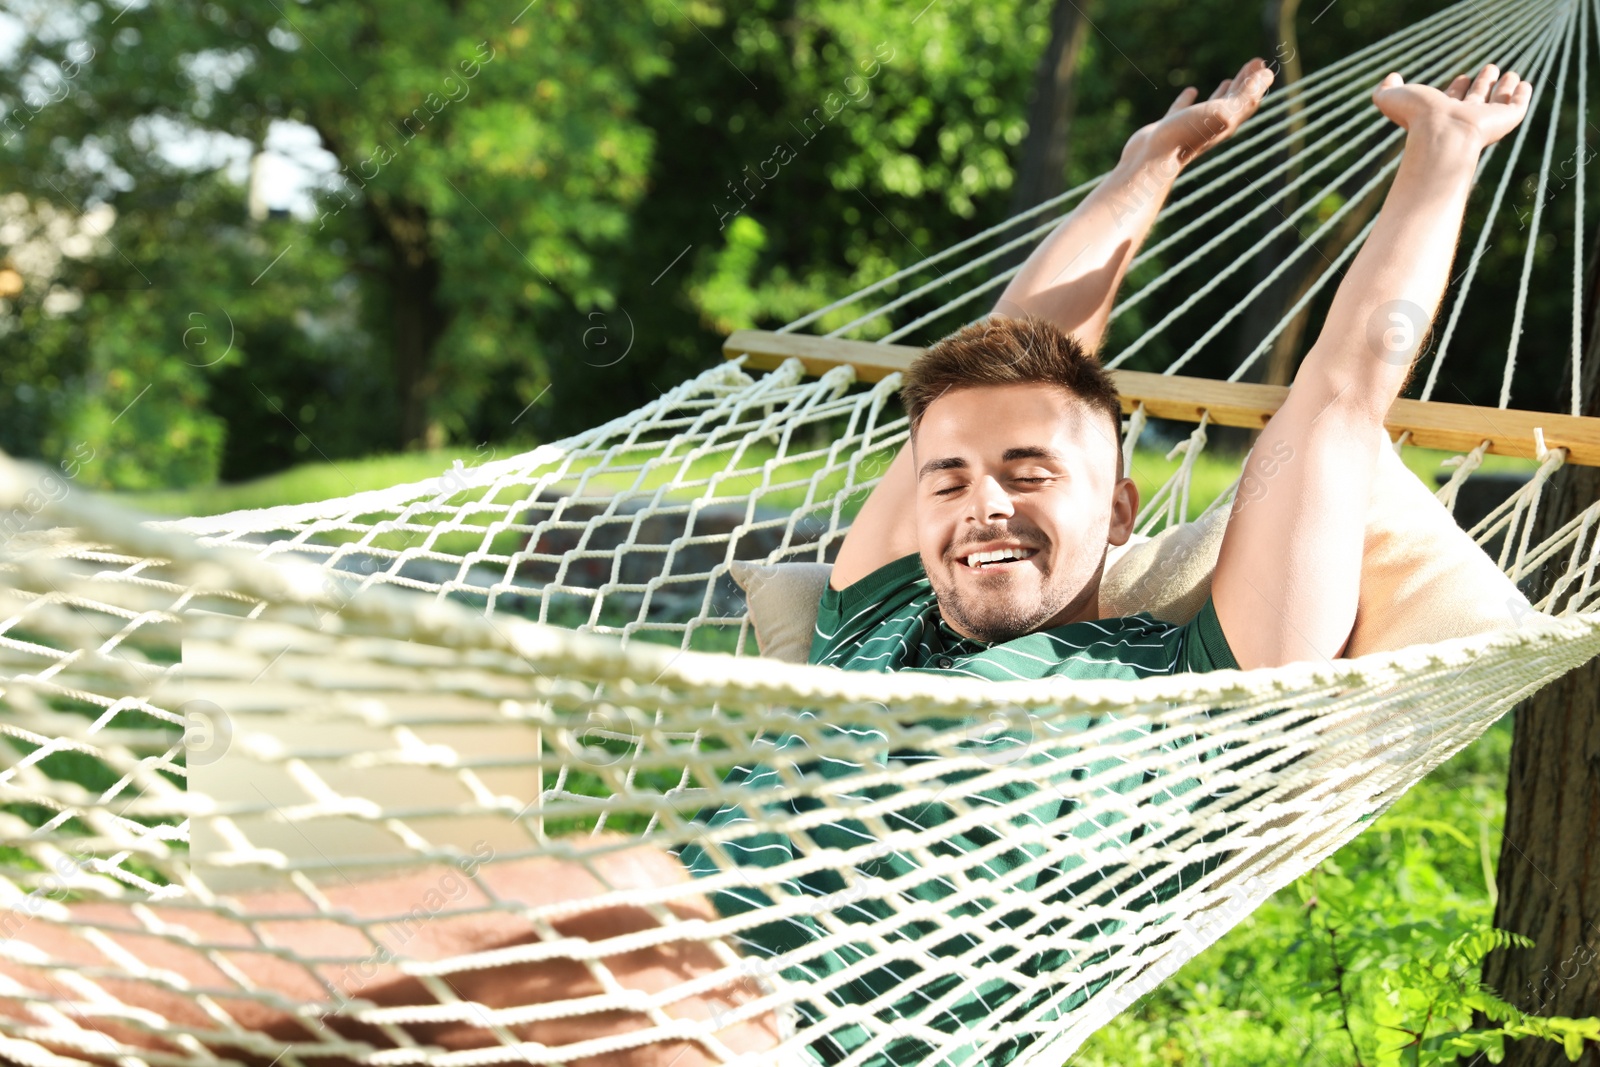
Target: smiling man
(980,553)
(1018,494)
(1057,481)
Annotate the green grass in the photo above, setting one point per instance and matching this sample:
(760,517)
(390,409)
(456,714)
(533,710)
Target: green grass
(1269,991)
(310,482)
(302,484)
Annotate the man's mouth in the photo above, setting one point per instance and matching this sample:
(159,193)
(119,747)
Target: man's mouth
(998,558)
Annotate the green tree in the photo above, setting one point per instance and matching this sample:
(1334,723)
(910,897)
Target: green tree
(486,162)
(543,216)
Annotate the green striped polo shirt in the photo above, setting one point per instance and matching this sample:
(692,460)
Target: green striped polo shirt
(889,621)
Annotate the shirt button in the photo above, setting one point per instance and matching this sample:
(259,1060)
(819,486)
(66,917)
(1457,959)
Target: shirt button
(945,663)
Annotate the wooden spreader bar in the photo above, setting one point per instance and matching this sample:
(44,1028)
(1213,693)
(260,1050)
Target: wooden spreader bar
(1432,424)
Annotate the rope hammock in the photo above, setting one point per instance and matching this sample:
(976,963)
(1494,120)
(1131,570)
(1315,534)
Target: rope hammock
(457,684)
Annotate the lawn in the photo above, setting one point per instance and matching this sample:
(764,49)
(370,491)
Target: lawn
(309,482)
(301,484)
(1319,966)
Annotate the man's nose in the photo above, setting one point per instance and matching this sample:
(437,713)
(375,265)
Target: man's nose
(991,500)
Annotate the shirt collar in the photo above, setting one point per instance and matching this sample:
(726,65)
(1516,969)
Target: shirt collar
(954,643)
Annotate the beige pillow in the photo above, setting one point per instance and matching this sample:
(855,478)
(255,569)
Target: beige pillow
(783,600)
(1422,578)
(1168,575)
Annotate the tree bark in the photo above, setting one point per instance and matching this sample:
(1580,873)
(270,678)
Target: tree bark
(417,317)
(1549,872)
(1043,170)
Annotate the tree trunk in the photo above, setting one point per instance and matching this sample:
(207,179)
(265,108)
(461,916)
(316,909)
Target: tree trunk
(1549,873)
(1043,170)
(417,318)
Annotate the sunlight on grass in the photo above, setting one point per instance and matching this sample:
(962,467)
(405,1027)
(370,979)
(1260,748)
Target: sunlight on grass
(302,484)
(788,483)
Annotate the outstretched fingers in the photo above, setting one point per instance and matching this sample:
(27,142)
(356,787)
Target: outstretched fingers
(1478,91)
(1239,83)
(1189,129)
(1505,90)
(1258,81)
(1248,81)
(1390,81)
(1489,103)
(1249,70)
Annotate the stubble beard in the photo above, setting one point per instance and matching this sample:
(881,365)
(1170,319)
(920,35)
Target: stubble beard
(998,614)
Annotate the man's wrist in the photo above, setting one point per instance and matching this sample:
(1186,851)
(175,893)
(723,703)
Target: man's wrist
(1444,137)
(1144,152)
(1144,159)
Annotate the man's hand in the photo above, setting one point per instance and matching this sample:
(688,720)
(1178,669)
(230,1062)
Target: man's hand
(1073,276)
(1486,107)
(1188,129)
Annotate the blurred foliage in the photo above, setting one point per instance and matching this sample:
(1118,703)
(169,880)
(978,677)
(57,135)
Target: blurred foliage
(540,218)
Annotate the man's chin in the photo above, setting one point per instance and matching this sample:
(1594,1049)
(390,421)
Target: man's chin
(994,622)
(994,606)
(997,631)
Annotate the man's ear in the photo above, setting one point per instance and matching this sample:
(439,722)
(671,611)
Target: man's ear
(1124,509)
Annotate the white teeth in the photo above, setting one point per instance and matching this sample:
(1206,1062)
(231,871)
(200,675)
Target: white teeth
(978,559)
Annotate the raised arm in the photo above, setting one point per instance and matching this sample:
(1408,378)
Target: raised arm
(1072,278)
(1287,580)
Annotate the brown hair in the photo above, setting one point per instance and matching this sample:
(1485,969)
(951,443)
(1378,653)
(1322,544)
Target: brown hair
(1001,350)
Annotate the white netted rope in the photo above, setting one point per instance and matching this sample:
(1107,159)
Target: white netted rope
(407,800)
(1552,128)
(1341,740)
(1469,275)
(1539,47)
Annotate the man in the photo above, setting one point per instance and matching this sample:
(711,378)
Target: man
(1015,442)
(979,553)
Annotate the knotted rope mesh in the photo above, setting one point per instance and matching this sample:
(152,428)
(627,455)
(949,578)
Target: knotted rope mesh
(415,822)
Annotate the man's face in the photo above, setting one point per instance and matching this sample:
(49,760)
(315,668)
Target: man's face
(1017,500)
